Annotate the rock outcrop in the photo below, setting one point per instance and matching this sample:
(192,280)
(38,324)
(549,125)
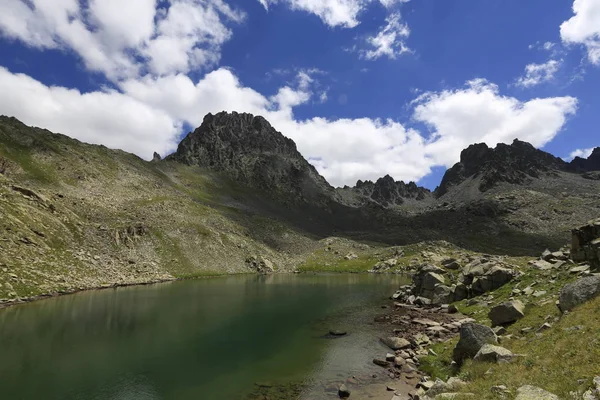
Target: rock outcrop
(585,243)
(250,151)
(514,163)
(592,163)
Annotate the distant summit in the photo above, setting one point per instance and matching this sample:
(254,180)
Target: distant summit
(388,192)
(515,163)
(249,150)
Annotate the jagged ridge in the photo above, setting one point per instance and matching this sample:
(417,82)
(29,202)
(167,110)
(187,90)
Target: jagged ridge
(515,163)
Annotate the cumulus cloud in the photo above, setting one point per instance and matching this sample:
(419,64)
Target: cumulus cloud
(479,113)
(123,39)
(110,118)
(584,28)
(389,41)
(536,74)
(343,13)
(583,153)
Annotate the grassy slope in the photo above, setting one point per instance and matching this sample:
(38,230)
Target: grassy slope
(64,236)
(559,359)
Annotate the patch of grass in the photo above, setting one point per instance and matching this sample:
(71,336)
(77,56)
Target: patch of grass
(440,366)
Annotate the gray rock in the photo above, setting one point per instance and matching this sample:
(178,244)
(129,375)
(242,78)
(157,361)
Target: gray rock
(343,391)
(507,312)
(529,392)
(472,338)
(578,292)
(442,294)
(350,256)
(491,353)
(381,363)
(395,343)
(541,265)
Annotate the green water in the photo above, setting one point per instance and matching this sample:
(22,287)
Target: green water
(204,339)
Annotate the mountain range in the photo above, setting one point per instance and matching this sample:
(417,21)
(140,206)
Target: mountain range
(75,215)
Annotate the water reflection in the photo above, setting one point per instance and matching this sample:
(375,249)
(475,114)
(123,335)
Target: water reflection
(211,338)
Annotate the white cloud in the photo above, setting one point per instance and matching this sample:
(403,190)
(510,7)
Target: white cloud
(333,13)
(478,113)
(389,41)
(536,74)
(110,118)
(584,28)
(122,39)
(583,153)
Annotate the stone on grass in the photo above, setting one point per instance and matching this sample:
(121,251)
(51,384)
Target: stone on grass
(578,292)
(491,353)
(529,392)
(472,338)
(507,312)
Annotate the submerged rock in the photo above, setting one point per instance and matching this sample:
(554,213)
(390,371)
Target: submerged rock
(343,392)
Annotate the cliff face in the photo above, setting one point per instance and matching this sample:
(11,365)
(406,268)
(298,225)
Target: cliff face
(250,151)
(515,163)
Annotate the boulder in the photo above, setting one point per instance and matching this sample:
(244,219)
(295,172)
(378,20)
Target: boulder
(495,277)
(442,294)
(350,256)
(472,338)
(507,313)
(451,263)
(491,353)
(578,292)
(343,392)
(395,343)
(529,392)
(460,292)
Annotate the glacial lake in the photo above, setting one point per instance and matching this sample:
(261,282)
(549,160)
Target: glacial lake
(217,338)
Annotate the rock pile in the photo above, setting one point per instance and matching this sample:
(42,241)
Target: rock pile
(585,243)
(434,285)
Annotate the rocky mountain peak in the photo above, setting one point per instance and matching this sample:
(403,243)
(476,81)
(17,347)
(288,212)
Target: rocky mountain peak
(592,163)
(249,150)
(387,192)
(514,163)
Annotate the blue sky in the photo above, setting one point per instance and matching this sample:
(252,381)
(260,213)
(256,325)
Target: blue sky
(364,87)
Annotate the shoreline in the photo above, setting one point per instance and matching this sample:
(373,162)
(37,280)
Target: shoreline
(45,296)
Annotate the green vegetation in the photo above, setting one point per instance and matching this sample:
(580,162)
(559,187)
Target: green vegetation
(561,359)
